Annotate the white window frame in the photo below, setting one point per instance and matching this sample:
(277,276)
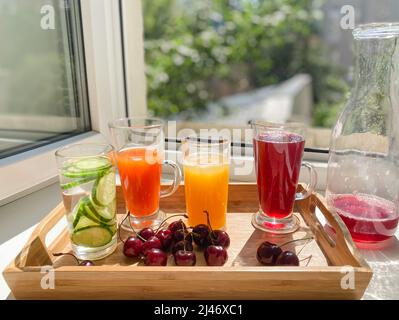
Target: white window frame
(32,170)
(133,45)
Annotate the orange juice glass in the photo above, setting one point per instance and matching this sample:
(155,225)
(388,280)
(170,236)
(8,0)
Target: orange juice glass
(206,179)
(139,145)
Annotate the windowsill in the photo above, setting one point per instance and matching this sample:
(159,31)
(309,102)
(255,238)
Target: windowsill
(36,169)
(33,170)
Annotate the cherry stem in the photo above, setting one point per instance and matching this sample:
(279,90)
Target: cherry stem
(303,247)
(184,236)
(58,254)
(119,228)
(307,258)
(172,216)
(295,240)
(135,232)
(210,226)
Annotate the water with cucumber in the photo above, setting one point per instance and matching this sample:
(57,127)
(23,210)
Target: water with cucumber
(88,188)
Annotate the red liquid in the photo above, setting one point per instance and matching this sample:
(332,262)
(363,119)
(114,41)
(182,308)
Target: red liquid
(368,218)
(278,157)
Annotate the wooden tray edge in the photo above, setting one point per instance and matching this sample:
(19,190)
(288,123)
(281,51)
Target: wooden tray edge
(12,272)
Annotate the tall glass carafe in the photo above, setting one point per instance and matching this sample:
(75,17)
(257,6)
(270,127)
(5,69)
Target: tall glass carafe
(363,168)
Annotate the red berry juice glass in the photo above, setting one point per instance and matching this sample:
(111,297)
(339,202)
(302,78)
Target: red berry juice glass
(278,151)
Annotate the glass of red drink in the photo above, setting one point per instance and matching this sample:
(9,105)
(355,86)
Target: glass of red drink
(139,154)
(278,151)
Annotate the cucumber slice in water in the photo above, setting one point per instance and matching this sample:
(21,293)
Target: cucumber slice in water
(84,222)
(112,228)
(110,210)
(92,237)
(79,210)
(101,214)
(81,174)
(87,168)
(91,164)
(104,190)
(77,183)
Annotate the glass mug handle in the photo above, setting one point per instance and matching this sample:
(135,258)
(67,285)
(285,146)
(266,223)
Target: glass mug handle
(176,180)
(312,184)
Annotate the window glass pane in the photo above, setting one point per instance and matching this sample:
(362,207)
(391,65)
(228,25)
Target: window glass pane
(42,79)
(217,63)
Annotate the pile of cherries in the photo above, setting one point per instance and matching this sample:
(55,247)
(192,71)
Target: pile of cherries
(271,254)
(177,238)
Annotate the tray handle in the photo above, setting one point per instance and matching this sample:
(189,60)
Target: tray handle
(35,252)
(330,243)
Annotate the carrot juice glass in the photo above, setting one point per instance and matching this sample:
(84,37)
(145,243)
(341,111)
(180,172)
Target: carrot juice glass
(206,179)
(139,154)
(278,151)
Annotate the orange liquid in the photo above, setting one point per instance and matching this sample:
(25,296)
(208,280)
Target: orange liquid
(206,186)
(140,172)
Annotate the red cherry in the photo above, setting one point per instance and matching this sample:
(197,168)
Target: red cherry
(200,235)
(155,257)
(146,233)
(215,255)
(185,258)
(287,258)
(268,253)
(177,225)
(180,235)
(152,243)
(182,245)
(83,263)
(166,237)
(218,238)
(132,247)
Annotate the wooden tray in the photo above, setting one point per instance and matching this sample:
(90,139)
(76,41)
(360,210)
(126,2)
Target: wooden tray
(117,277)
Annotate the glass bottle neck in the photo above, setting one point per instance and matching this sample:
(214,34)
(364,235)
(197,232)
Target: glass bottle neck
(375,64)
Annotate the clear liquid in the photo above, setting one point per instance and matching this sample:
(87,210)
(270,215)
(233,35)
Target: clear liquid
(83,212)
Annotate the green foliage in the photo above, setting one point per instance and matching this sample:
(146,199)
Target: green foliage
(199,51)
(371,102)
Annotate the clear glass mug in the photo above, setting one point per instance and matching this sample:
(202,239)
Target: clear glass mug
(87,180)
(206,179)
(278,151)
(139,154)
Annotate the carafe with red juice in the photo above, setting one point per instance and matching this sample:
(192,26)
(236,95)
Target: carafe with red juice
(363,168)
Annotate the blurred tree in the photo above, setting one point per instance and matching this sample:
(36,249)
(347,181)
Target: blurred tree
(199,51)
